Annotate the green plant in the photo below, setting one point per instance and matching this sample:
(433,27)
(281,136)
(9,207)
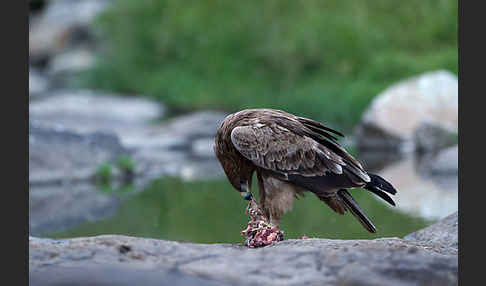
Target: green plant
(104,174)
(125,163)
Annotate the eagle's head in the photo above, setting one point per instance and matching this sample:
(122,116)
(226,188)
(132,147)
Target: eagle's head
(237,168)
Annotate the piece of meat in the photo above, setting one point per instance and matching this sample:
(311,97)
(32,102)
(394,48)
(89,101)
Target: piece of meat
(259,232)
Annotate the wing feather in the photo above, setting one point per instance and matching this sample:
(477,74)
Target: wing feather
(281,150)
(295,145)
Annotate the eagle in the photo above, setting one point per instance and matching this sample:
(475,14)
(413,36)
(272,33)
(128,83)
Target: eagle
(291,156)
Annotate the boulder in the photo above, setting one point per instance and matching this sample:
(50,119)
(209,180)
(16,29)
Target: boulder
(180,146)
(107,259)
(395,115)
(87,111)
(441,163)
(433,136)
(443,232)
(62,165)
(63,70)
(38,83)
(56,29)
(61,156)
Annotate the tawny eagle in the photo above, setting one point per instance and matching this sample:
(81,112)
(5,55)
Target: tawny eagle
(292,155)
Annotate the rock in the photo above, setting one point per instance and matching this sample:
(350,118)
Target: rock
(177,132)
(63,69)
(182,146)
(61,156)
(443,232)
(38,84)
(394,115)
(57,29)
(87,111)
(442,163)
(432,136)
(119,275)
(385,261)
(57,207)
(419,194)
(203,147)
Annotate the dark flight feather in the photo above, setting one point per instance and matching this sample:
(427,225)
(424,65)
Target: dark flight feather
(380,184)
(319,125)
(354,208)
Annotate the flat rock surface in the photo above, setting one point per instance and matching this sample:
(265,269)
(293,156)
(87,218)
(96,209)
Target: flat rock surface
(57,155)
(385,261)
(86,111)
(443,232)
(181,146)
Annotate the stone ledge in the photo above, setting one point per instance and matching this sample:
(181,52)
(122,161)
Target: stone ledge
(384,261)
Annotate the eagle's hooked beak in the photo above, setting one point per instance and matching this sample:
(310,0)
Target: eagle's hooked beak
(245,192)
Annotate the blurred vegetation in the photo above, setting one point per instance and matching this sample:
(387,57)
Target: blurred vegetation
(104,173)
(321,59)
(212,212)
(126,163)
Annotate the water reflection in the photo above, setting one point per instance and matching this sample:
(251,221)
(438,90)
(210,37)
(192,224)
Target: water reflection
(419,193)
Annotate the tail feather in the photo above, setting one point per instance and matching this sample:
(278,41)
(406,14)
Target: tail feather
(382,195)
(354,208)
(380,187)
(381,184)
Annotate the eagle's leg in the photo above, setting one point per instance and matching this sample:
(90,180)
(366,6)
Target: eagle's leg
(278,197)
(261,195)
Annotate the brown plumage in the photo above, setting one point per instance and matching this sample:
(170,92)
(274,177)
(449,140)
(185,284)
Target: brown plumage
(292,155)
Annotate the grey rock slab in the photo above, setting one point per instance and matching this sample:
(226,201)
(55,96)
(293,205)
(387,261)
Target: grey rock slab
(444,232)
(395,114)
(121,275)
(58,29)
(181,146)
(440,164)
(58,155)
(433,136)
(385,261)
(62,165)
(38,83)
(203,147)
(71,61)
(446,161)
(64,68)
(86,111)
(177,132)
(57,207)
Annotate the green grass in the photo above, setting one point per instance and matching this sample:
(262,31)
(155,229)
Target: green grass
(212,212)
(321,59)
